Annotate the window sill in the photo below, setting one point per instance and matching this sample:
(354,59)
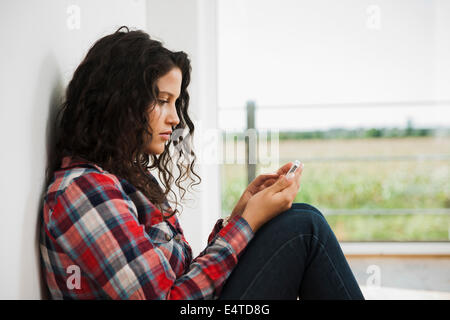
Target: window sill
(396,248)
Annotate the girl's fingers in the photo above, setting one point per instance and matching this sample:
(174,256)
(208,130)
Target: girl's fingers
(266,184)
(285,168)
(298,175)
(269,182)
(265,176)
(296,178)
(262,178)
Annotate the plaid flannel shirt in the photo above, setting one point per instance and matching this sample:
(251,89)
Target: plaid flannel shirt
(101,238)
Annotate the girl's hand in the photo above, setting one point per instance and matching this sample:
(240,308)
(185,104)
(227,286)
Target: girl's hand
(260,183)
(273,200)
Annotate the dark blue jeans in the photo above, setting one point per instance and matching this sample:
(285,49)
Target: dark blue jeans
(296,254)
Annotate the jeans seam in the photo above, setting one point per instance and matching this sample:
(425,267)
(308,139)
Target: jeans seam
(323,245)
(334,267)
(280,248)
(320,215)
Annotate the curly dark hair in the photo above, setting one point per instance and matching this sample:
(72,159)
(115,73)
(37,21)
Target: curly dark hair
(106,109)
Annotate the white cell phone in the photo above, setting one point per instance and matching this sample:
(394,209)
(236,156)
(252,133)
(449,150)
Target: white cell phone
(294,167)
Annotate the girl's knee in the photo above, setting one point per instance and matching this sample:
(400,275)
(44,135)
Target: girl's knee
(301,218)
(301,214)
(306,207)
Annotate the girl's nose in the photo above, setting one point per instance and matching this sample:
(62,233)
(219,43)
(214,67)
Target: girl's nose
(173,117)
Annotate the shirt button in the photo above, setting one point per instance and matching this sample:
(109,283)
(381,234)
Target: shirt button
(178,237)
(167,237)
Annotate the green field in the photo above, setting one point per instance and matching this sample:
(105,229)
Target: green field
(337,177)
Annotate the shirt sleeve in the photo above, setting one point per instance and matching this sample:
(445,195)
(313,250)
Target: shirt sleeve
(96,225)
(217,227)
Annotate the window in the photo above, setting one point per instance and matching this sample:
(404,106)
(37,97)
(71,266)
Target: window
(356,92)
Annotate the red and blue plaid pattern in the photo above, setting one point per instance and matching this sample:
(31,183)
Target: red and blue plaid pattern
(105,228)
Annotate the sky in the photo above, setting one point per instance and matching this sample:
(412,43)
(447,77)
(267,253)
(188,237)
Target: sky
(318,64)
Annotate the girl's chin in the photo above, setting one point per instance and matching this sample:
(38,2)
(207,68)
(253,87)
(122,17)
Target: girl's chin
(156,150)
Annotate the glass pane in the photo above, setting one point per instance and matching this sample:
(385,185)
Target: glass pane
(358,92)
(381,189)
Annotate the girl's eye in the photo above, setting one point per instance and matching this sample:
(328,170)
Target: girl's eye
(162,101)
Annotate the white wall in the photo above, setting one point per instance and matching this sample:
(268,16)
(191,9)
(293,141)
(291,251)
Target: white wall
(40,47)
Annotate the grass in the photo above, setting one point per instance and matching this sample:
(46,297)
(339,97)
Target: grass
(406,227)
(356,184)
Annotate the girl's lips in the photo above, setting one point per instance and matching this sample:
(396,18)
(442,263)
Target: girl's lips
(165,136)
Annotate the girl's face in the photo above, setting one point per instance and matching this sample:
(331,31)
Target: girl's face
(164,116)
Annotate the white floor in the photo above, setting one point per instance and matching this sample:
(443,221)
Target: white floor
(402,278)
(387,293)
